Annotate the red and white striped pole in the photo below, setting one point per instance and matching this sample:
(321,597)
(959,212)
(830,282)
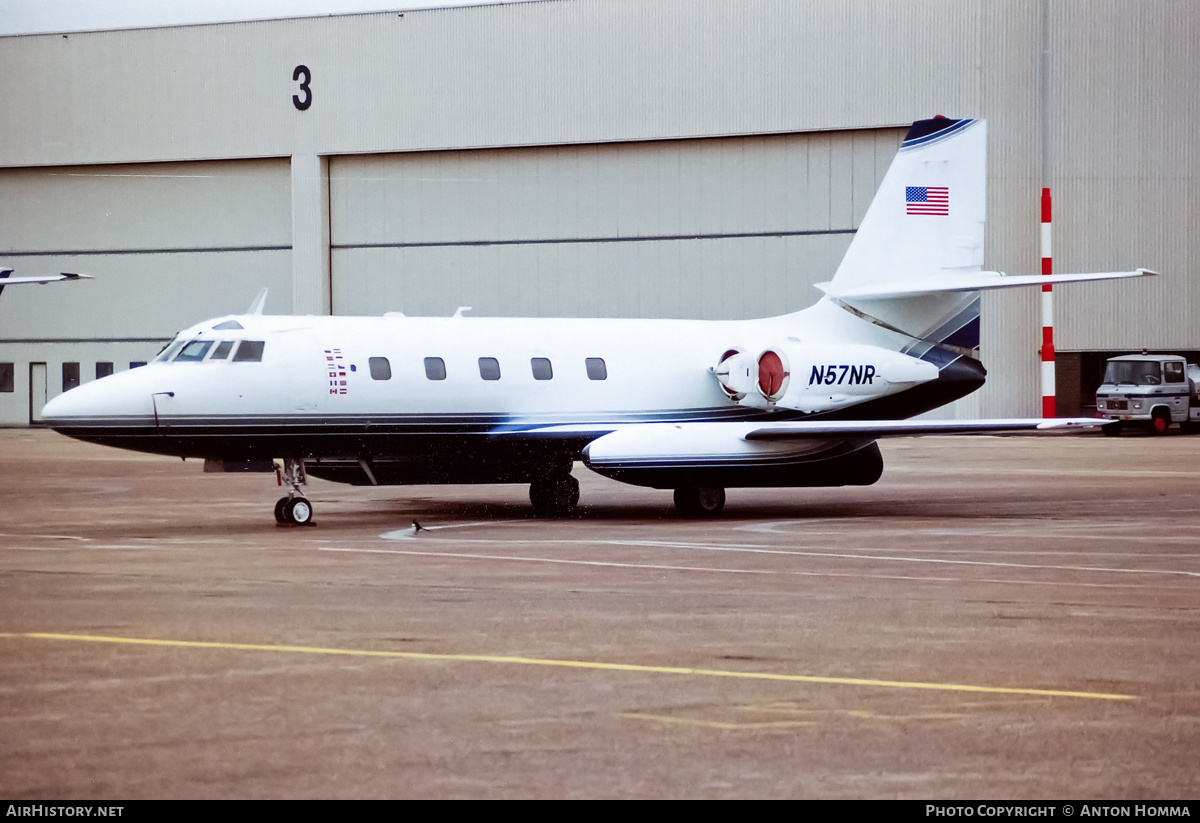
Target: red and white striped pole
(1047,314)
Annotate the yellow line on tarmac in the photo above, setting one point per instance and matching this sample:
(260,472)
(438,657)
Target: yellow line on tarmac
(580,664)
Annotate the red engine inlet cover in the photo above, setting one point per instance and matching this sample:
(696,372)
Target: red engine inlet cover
(772,375)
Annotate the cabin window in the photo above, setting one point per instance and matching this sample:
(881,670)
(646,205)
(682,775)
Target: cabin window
(489,368)
(222,350)
(381,369)
(193,351)
(70,376)
(541,368)
(7,380)
(596,370)
(249,351)
(136,364)
(435,368)
(103,370)
(1173,372)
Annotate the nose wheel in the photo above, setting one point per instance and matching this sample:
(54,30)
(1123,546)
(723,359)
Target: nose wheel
(293,510)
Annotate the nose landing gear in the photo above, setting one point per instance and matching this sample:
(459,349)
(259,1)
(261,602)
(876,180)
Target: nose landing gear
(293,510)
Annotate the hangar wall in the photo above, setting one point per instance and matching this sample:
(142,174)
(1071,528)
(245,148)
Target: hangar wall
(168,243)
(734,227)
(514,157)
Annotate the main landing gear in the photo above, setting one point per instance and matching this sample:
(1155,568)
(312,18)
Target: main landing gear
(699,501)
(554,495)
(293,510)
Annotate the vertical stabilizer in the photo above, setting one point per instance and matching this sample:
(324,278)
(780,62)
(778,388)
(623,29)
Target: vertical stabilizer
(926,220)
(928,214)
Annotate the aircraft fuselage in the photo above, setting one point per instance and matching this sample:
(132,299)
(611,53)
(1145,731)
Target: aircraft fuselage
(464,399)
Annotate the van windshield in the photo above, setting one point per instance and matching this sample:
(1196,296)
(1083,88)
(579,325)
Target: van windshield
(1138,372)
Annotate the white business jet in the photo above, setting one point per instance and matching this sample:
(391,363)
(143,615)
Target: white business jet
(694,406)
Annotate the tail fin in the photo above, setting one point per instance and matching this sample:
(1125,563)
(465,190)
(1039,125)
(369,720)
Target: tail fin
(924,225)
(928,215)
(915,264)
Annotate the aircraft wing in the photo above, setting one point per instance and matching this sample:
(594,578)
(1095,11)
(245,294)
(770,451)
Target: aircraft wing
(913,428)
(46,278)
(825,429)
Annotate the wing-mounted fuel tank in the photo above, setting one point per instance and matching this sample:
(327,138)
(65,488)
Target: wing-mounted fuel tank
(672,455)
(817,378)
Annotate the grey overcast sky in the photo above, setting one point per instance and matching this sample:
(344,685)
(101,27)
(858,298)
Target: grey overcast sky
(39,16)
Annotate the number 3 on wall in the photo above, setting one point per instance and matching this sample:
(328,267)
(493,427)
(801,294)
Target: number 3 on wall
(304,102)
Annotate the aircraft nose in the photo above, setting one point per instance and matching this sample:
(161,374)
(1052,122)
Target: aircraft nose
(70,405)
(113,395)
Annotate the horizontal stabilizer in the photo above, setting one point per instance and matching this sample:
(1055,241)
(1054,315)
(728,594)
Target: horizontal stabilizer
(972,281)
(914,428)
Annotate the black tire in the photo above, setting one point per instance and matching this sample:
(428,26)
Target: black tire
(1111,429)
(555,495)
(699,501)
(280,515)
(299,511)
(1160,421)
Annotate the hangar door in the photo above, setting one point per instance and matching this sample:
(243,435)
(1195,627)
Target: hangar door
(168,245)
(731,227)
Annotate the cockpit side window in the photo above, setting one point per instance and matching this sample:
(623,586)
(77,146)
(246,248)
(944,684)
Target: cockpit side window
(168,351)
(193,351)
(222,350)
(249,351)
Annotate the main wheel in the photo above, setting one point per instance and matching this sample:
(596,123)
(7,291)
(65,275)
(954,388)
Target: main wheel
(554,495)
(699,501)
(299,511)
(280,514)
(1160,422)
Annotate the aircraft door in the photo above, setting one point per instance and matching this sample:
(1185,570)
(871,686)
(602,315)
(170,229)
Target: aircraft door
(305,373)
(37,392)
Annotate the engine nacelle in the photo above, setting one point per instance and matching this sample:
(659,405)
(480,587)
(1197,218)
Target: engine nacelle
(818,378)
(751,380)
(833,377)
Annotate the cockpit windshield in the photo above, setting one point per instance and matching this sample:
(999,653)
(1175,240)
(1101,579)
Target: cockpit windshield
(181,350)
(194,351)
(1138,372)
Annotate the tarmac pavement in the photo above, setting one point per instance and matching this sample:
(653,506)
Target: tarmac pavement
(998,617)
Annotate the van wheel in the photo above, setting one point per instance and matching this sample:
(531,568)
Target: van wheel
(1160,423)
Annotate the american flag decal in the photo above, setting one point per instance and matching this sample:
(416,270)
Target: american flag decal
(927,200)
